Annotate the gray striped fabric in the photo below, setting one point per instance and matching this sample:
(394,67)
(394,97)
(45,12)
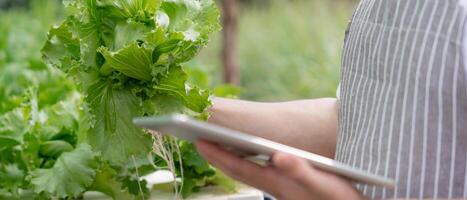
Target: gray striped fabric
(403,97)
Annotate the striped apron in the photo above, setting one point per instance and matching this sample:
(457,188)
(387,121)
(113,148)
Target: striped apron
(403,97)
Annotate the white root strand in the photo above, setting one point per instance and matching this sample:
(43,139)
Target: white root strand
(165,147)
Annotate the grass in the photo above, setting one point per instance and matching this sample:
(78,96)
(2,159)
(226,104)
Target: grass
(287,49)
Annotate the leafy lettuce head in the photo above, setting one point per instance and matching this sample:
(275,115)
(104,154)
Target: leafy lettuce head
(126,57)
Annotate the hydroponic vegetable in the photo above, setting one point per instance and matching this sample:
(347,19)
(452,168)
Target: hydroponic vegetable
(61,137)
(126,57)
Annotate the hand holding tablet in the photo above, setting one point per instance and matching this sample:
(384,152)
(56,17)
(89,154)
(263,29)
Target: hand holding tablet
(184,127)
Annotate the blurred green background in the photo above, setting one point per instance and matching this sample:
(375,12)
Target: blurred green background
(287,49)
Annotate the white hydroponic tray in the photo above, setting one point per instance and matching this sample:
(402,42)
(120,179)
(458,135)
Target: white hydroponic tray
(208,193)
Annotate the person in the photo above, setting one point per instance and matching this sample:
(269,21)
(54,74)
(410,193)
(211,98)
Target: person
(400,112)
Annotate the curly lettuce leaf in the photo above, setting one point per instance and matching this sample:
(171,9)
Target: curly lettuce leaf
(62,117)
(13,124)
(175,84)
(107,183)
(127,33)
(196,170)
(61,45)
(133,61)
(11,176)
(139,9)
(195,19)
(113,132)
(72,173)
(54,148)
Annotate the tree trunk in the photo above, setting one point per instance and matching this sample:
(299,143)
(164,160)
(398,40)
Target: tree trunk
(229,56)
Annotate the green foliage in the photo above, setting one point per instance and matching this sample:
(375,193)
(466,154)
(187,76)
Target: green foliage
(199,173)
(39,112)
(70,175)
(107,183)
(68,129)
(126,57)
(198,169)
(112,133)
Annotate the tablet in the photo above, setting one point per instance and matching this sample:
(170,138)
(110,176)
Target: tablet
(184,127)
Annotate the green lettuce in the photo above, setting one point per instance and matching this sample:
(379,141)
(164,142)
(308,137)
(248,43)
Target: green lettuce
(126,57)
(66,123)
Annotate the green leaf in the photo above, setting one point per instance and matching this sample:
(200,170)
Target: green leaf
(130,8)
(135,186)
(133,61)
(11,176)
(30,150)
(106,183)
(196,170)
(14,124)
(71,174)
(175,83)
(62,116)
(61,46)
(193,159)
(127,33)
(196,19)
(226,183)
(54,148)
(4,194)
(7,142)
(113,132)
(189,186)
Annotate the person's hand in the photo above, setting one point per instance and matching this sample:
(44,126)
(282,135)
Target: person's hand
(288,178)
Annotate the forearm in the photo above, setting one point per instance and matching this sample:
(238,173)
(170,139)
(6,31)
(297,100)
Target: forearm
(309,124)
